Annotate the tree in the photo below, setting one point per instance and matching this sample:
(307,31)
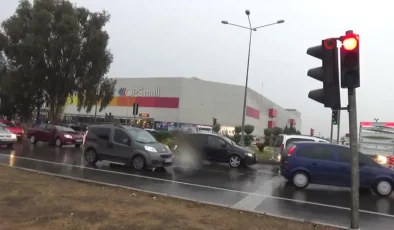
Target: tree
(286,130)
(216,128)
(298,132)
(56,50)
(248,129)
(237,129)
(292,130)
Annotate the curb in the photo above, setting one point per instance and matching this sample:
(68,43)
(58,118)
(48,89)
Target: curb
(176,197)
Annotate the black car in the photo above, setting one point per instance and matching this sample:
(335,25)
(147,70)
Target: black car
(216,148)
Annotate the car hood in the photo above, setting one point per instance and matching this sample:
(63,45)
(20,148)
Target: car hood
(4,132)
(160,147)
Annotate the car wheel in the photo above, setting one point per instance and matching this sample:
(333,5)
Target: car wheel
(138,162)
(10,146)
(77,146)
(383,188)
(58,142)
(33,139)
(91,156)
(235,161)
(300,180)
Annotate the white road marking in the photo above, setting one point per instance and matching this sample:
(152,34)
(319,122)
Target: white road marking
(252,201)
(174,196)
(202,186)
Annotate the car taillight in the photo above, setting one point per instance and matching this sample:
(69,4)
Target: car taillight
(390,160)
(282,146)
(291,150)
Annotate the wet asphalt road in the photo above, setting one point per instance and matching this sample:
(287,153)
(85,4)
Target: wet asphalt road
(257,188)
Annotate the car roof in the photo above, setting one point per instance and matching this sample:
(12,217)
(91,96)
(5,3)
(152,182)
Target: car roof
(288,136)
(113,126)
(315,143)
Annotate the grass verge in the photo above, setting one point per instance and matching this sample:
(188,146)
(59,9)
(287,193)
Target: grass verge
(35,201)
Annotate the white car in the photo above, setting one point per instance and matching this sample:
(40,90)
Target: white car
(284,140)
(7,138)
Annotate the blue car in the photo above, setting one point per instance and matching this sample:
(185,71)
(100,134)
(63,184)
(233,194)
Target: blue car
(303,163)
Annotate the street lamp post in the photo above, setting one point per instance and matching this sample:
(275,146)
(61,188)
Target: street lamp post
(251,29)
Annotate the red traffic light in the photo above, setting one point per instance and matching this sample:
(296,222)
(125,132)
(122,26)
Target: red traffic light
(350,42)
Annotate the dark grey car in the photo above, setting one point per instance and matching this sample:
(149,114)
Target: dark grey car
(127,145)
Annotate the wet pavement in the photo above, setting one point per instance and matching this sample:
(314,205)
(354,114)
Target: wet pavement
(257,188)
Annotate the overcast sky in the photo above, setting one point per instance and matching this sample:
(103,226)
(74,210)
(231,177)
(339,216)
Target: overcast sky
(179,38)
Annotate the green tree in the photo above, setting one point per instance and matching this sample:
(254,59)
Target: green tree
(248,129)
(286,130)
(237,129)
(276,131)
(298,132)
(216,128)
(292,130)
(56,49)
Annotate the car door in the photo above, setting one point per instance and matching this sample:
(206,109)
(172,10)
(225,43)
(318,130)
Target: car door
(319,160)
(121,145)
(216,150)
(100,138)
(40,132)
(343,157)
(49,133)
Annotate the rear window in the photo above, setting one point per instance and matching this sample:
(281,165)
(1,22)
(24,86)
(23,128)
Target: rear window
(279,141)
(291,140)
(288,147)
(102,133)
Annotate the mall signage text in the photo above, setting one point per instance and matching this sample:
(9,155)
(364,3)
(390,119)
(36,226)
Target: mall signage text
(138,92)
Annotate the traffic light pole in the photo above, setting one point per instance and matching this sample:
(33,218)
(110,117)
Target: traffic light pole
(338,125)
(332,127)
(354,224)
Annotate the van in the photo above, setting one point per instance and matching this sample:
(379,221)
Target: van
(125,145)
(285,140)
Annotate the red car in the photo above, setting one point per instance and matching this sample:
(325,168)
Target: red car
(18,131)
(54,134)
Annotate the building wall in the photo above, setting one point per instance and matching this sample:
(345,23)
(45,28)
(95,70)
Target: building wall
(192,100)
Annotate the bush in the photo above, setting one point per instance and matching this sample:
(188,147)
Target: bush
(169,142)
(248,140)
(160,136)
(237,138)
(260,146)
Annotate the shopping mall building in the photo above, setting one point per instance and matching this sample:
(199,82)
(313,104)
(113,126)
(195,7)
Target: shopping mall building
(183,103)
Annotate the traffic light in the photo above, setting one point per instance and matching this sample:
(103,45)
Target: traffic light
(350,60)
(328,73)
(312,132)
(135,108)
(335,117)
(214,121)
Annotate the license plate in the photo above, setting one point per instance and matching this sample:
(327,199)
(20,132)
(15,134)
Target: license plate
(168,160)
(78,140)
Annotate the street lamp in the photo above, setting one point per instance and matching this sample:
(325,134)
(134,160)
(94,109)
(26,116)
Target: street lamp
(251,29)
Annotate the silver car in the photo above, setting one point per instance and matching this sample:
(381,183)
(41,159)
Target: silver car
(6,137)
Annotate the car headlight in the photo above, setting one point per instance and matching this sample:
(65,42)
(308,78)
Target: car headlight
(67,136)
(381,159)
(249,154)
(13,136)
(150,149)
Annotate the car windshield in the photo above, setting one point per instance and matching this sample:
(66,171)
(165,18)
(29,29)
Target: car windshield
(228,140)
(64,128)
(8,123)
(141,135)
